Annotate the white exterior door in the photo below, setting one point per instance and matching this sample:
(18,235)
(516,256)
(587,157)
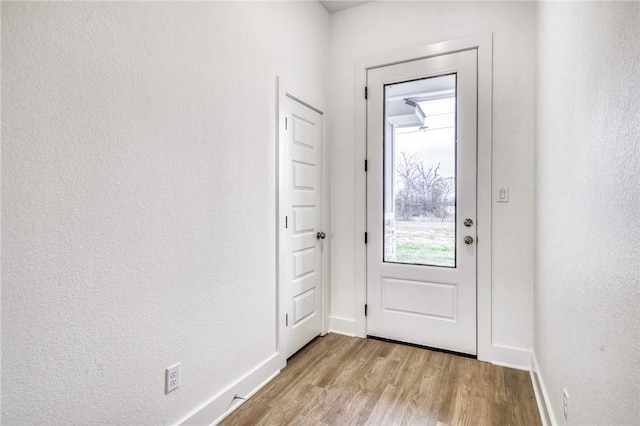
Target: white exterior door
(421,201)
(301,286)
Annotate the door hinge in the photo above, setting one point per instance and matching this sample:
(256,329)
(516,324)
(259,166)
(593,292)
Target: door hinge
(286,124)
(286,222)
(365,310)
(365,238)
(365,165)
(286,320)
(366,92)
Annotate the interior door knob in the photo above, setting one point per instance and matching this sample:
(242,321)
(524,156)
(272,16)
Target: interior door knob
(468,240)
(321,235)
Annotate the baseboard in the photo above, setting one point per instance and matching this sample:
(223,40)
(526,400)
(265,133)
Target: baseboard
(224,403)
(344,326)
(506,356)
(542,397)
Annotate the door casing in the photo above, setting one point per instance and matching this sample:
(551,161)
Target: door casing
(483,44)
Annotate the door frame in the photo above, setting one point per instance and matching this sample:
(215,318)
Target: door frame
(484,45)
(284,91)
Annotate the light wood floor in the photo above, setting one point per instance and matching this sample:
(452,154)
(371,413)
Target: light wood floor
(338,380)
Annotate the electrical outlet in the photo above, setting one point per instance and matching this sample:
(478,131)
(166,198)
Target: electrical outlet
(565,396)
(172,378)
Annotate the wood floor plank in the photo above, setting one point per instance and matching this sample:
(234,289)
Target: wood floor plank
(364,394)
(415,389)
(339,380)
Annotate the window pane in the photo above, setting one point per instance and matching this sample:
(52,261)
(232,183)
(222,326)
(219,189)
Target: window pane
(420,172)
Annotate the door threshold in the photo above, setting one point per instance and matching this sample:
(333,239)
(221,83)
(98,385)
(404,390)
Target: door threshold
(429,348)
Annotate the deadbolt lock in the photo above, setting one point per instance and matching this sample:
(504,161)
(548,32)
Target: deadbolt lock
(468,222)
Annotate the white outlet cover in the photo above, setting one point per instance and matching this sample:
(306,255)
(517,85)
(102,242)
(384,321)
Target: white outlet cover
(172,378)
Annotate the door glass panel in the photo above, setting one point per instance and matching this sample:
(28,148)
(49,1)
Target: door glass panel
(420,171)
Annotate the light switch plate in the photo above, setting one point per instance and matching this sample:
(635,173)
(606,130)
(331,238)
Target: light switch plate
(503,194)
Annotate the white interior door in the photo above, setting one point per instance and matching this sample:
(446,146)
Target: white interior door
(301,286)
(421,201)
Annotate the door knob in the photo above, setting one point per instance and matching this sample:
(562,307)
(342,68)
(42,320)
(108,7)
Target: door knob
(468,240)
(321,235)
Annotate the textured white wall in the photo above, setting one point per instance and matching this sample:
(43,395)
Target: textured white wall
(587,290)
(138,200)
(389,26)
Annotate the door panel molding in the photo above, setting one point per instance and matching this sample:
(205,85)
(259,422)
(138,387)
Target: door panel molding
(486,351)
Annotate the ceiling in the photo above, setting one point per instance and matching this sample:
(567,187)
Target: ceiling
(333,6)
